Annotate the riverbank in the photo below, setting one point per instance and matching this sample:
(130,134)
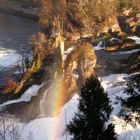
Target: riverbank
(19,9)
(15,32)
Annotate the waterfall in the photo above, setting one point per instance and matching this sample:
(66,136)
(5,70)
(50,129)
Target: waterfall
(42,104)
(26,97)
(62,51)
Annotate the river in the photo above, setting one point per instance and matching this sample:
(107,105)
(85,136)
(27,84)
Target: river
(33,122)
(14,40)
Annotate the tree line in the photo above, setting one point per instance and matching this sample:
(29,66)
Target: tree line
(89,14)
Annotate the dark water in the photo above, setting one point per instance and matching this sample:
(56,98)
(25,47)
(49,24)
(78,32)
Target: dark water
(15,32)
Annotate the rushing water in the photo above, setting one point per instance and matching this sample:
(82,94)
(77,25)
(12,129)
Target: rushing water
(14,40)
(14,33)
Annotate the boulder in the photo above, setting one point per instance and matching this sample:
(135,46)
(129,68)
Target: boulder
(121,45)
(113,44)
(112,47)
(134,62)
(85,59)
(122,35)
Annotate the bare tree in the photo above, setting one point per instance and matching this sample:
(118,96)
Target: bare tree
(8,128)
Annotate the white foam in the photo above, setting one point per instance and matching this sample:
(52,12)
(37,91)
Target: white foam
(67,52)
(115,85)
(99,46)
(8,57)
(26,97)
(130,134)
(44,128)
(136,38)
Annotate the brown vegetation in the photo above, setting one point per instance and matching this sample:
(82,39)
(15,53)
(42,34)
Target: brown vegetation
(62,19)
(38,57)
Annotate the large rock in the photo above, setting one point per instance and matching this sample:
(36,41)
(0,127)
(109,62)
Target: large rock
(113,44)
(134,62)
(82,60)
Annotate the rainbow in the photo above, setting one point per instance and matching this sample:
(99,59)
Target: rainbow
(59,98)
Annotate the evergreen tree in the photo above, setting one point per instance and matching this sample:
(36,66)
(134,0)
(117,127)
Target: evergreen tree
(133,89)
(133,102)
(94,112)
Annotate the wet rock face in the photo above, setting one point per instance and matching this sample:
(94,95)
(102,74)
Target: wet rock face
(134,62)
(84,59)
(117,40)
(120,45)
(87,64)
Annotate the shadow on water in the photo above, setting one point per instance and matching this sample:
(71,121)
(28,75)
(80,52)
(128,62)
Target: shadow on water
(15,32)
(14,36)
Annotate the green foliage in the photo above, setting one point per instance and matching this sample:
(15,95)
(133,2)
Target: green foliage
(94,112)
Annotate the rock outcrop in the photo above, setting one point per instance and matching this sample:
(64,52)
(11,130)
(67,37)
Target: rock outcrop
(82,61)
